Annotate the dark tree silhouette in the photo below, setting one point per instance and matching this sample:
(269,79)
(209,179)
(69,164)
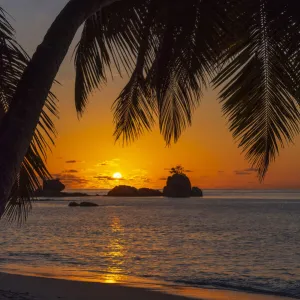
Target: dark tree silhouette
(177,170)
(13,61)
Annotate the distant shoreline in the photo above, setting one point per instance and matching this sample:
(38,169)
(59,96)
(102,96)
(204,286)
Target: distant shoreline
(62,195)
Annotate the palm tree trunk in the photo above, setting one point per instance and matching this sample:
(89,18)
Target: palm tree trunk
(18,125)
(2,113)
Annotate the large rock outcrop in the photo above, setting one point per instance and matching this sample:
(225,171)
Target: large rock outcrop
(196,192)
(129,191)
(53,185)
(54,188)
(123,191)
(178,186)
(145,192)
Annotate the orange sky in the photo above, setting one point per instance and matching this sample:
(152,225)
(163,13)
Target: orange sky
(86,156)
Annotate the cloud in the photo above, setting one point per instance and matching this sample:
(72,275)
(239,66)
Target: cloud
(70,171)
(184,171)
(140,178)
(242,173)
(113,163)
(221,172)
(251,170)
(107,178)
(71,180)
(163,178)
(56,175)
(71,161)
(248,171)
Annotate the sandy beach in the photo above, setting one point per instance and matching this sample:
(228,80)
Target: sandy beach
(19,287)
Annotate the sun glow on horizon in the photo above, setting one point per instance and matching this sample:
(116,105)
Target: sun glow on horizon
(117,175)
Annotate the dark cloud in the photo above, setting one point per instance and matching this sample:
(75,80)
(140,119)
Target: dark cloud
(220,172)
(56,175)
(140,178)
(71,161)
(71,180)
(184,171)
(242,173)
(107,178)
(248,171)
(104,177)
(112,162)
(163,178)
(251,170)
(70,171)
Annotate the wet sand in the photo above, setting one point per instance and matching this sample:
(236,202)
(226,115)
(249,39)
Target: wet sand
(19,287)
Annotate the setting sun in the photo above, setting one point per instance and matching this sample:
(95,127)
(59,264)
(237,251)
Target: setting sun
(117,175)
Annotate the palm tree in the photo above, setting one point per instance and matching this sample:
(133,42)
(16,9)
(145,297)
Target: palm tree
(172,50)
(177,170)
(13,61)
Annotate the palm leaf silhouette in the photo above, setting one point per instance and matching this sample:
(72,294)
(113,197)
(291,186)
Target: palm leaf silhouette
(13,61)
(258,92)
(174,50)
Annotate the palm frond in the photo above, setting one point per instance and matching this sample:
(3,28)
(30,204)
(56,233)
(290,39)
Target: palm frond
(134,108)
(13,61)
(250,48)
(23,192)
(109,39)
(258,87)
(169,58)
(11,57)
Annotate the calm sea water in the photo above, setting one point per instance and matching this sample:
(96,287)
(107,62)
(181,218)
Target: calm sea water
(245,240)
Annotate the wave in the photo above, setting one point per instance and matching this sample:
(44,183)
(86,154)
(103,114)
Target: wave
(231,284)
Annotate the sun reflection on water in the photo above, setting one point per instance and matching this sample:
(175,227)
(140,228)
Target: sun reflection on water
(116,252)
(112,277)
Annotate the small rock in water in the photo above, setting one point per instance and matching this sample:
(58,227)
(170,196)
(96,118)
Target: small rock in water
(196,192)
(82,204)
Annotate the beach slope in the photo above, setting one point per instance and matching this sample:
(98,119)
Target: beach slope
(19,287)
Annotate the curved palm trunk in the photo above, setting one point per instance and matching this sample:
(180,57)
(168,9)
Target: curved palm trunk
(18,125)
(2,113)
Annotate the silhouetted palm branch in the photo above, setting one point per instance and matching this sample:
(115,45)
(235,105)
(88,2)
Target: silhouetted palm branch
(260,84)
(170,60)
(13,61)
(173,49)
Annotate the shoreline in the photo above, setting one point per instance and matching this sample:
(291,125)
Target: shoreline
(42,287)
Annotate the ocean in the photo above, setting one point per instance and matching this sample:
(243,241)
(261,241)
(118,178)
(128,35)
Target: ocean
(230,239)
